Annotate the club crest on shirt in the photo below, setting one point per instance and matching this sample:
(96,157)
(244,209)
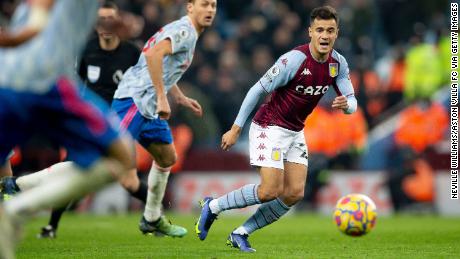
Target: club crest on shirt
(333,69)
(94,72)
(276,154)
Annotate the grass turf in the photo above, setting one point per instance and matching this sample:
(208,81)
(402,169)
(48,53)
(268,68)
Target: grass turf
(296,236)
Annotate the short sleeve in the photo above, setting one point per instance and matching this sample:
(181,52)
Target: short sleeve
(181,38)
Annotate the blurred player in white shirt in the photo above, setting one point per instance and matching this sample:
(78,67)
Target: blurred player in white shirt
(39,93)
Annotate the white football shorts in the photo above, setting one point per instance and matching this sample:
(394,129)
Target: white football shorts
(271,146)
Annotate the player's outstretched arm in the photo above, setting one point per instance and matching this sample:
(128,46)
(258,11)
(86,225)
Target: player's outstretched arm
(154,57)
(185,101)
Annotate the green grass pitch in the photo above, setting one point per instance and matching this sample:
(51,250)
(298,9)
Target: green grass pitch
(296,236)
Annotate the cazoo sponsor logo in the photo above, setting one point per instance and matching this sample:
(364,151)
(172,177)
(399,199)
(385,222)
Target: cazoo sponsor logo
(312,90)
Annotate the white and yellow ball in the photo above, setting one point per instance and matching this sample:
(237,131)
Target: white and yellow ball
(355,214)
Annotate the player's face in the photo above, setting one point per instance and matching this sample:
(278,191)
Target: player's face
(203,12)
(106,15)
(323,34)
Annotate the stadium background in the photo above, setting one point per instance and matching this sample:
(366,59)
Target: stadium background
(398,148)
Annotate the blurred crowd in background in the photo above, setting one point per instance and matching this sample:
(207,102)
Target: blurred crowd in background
(398,52)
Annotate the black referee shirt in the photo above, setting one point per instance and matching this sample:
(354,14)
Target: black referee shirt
(102,70)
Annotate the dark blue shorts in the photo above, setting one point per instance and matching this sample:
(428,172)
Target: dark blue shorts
(83,125)
(145,131)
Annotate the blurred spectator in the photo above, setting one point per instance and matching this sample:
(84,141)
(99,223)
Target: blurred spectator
(226,102)
(206,129)
(151,15)
(336,146)
(423,70)
(421,125)
(396,80)
(420,185)
(411,178)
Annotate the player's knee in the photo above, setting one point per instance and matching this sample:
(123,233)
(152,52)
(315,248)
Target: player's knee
(267,194)
(167,161)
(129,181)
(293,195)
(121,150)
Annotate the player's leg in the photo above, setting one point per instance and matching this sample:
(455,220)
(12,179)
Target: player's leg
(7,235)
(294,178)
(12,132)
(164,155)
(156,137)
(49,231)
(5,170)
(13,186)
(164,158)
(7,181)
(269,188)
(100,153)
(57,191)
(266,145)
(133,122)
(134,185)
(65,186)
(269,212)
(31,180)
(7,238)
(129,181)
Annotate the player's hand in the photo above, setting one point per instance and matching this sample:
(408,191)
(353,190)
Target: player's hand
(340,102)
(163,109)
(230,137)
(193,105)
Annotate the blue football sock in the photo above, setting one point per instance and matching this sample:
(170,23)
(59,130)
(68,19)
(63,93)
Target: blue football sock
(266,214)
(240,198)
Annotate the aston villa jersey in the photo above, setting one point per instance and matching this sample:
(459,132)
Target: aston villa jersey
(297,82)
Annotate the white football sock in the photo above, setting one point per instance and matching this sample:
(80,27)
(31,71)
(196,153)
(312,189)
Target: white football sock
(63,187)
(29,181)
(157,181)
(241,231)
(214,206)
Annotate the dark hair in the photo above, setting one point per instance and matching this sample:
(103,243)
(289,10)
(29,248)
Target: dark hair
(324,13)
(110,5)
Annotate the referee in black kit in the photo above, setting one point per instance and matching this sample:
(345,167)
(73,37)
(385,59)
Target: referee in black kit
(106,57)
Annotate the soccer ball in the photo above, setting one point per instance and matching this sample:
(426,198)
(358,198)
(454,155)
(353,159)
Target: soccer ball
(355,214)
